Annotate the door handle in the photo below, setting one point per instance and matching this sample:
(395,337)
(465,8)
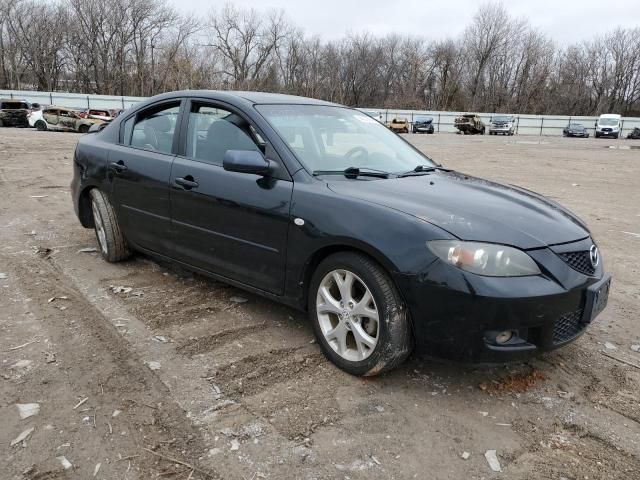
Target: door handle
(186,182)
(118,166)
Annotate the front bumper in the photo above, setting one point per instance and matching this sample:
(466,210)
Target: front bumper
(454,313)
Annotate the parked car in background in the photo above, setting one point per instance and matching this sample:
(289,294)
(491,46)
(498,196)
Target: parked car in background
(62,119)
(320,207)
(469,124)
(13,113)
(423,124)
(575,130)
(634,134)
(502,124)
(399,125)
(608,125)
(96,114)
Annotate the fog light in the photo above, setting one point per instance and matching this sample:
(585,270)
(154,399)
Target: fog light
(504,337)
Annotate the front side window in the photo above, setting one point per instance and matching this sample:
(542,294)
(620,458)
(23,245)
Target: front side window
(212,131)
(154,129)
(326,138)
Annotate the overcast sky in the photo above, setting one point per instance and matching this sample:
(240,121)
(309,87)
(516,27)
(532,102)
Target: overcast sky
(566,21)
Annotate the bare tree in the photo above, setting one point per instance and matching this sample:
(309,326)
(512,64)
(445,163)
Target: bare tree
(142,47)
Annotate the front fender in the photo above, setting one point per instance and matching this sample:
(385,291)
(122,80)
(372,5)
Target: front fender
(324,222)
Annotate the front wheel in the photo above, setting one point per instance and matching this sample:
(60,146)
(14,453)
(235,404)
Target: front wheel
(358,316)
(83,129)
(41,126)
(113,245)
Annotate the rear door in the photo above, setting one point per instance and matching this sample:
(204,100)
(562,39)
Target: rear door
(229,223)
(51,116)
(140,168)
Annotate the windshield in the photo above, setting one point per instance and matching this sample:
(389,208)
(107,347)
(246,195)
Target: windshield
(608,122)
(326,138)
(501,119)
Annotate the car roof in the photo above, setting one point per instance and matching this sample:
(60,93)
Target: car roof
(255,98)
(64,109)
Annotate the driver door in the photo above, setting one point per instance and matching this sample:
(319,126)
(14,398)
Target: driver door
(229,223)
(67,120)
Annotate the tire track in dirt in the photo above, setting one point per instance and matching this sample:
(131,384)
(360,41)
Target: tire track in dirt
(207,343)
(112,371)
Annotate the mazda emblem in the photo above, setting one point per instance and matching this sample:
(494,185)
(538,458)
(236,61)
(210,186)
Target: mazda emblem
(594,256)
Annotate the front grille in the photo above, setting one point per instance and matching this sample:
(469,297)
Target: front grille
(607,129)
(567,327)
(579,261)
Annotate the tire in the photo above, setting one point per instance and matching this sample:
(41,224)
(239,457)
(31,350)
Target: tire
(113,246)
(1,123)
(41,126)
(83,129)
(384,344)
(616,136)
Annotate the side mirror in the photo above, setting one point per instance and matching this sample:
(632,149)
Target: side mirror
(246,161)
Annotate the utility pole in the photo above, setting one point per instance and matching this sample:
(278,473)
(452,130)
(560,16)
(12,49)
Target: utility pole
(153,72)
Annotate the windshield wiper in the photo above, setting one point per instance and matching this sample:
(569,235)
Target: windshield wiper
(354,172)
(420,169)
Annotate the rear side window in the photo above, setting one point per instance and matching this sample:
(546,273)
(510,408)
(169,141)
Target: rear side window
(212,131)
(154,129)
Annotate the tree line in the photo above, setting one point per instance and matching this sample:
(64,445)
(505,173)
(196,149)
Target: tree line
(143,47)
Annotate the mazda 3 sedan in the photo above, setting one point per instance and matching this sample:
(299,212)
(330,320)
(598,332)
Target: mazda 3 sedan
(322,208)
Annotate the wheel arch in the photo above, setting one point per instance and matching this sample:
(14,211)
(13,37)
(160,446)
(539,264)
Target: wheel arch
(84,207)
(325,251)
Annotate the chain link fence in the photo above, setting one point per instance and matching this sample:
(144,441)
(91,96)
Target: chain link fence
(543,125)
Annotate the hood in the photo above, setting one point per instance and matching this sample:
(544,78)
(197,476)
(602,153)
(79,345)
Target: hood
(472,208)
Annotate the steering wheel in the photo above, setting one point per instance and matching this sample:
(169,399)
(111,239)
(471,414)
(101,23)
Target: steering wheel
(360,153)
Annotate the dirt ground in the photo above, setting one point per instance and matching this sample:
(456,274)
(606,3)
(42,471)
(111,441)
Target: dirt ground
(180,377)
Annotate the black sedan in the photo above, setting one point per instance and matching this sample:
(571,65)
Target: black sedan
(423,124)
(575,130)
(321,207)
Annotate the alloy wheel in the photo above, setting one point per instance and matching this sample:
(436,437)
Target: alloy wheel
(102,236)
(347,315)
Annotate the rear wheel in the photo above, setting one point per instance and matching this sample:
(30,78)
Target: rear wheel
(40,125)
(358,316)
(113,245)
(83,128)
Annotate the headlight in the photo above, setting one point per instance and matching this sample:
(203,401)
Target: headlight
(485,258)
